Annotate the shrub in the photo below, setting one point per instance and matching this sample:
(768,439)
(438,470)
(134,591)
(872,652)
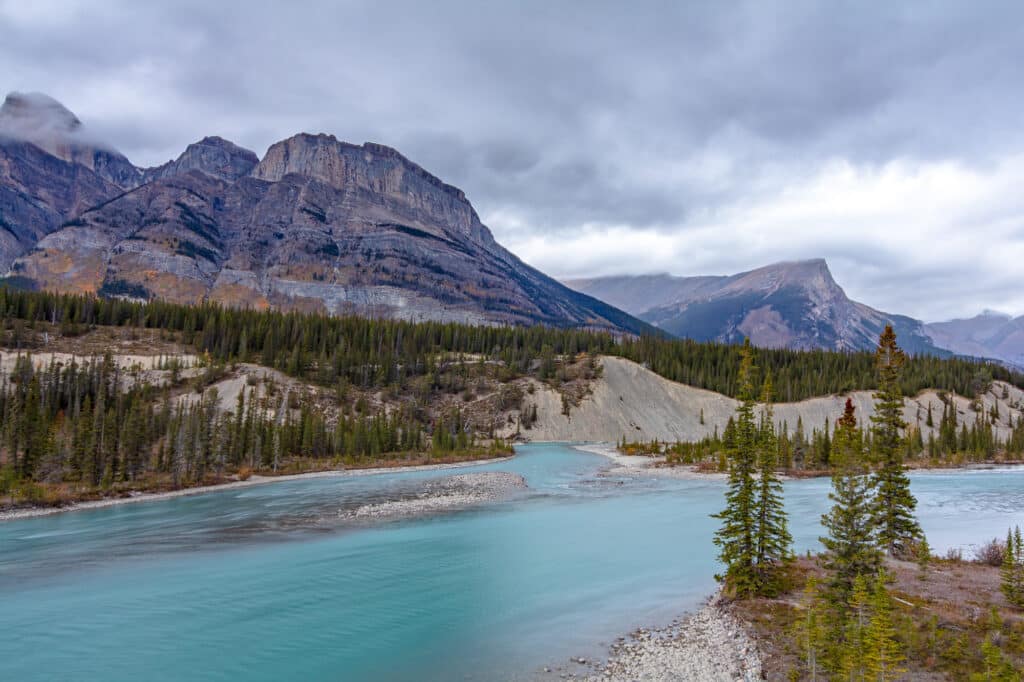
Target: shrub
(991,553)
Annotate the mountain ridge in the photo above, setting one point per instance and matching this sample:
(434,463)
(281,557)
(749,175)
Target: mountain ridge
(315,224)
(988,334)
(790,304)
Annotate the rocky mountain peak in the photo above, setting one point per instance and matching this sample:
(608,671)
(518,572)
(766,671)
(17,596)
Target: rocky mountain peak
(317,224)
(43,121)
(211,155)
(378,170)
(810,277)
(989,312)
(792,304)
(46,123)
(37,118)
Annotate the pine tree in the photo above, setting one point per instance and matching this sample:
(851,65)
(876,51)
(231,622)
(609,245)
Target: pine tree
(810,631)
(735,538)
(894,504)
(997,668)
(773,541)
(924,557)
(851,547)
(852,651)
(882,653)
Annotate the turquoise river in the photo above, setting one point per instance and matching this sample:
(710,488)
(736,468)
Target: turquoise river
(266,583)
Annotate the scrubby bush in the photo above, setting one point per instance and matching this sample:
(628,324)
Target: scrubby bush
(991,553)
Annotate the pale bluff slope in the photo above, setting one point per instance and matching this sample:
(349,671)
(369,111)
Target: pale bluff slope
(631,401)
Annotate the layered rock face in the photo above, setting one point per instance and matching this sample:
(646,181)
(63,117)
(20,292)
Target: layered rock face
(785,305)
(38,193)
(317,224)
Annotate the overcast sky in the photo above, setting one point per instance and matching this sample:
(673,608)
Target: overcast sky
(608,138)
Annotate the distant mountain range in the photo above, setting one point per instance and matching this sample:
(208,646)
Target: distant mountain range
(316,224)
(990,334)
(784,305)
(323,225)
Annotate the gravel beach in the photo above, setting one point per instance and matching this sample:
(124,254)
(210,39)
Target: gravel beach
(446,494)
(709,646)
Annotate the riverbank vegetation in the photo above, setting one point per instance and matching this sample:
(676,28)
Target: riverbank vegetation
(83,428)
(215,393)
(803,452)
(948,623)
(952,440)
(859,616)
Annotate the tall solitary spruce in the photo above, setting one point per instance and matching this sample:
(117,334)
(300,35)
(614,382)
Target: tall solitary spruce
(894,504)
(773,541)
(735,538)
(851,547)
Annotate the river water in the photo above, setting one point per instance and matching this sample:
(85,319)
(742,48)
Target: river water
(270,582)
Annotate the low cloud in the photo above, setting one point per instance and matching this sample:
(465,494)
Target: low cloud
(607,138)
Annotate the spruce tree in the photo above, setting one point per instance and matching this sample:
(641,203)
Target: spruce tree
(811,632)
(894,504)
(851,546)
(924,557)
(1012,571)
(852,651)
(773,541)
(736,536)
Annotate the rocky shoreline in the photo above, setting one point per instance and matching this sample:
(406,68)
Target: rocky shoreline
(446,494)
(710,645)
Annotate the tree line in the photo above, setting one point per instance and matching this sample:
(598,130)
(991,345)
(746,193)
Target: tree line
(374,353)
(91,424)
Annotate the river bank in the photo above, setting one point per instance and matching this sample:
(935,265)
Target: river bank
(943,618)
(655,465)
(709,646)
(31,512)
(639,465)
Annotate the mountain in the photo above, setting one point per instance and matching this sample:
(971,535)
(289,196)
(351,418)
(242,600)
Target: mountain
(990,334)
(784,305)
(316,224)
(211,155)
(43,121)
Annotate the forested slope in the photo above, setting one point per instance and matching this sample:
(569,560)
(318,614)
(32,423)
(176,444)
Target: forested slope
(119,395)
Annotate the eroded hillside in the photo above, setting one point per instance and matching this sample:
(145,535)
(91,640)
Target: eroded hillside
(628,400)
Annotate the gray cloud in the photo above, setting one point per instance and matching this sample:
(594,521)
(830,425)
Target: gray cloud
(579,130)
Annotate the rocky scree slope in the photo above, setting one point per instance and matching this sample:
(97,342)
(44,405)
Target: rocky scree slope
(317,225)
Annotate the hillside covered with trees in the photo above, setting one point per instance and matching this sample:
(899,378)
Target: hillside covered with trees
(329,391)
